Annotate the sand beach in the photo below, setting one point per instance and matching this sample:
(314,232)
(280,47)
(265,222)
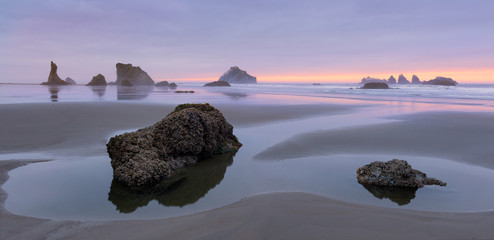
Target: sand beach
(60,130)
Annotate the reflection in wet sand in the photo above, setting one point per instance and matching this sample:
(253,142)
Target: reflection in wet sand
(401,196)
(235,96)
(185,187)
(133,93)
(53,89)
(98,90)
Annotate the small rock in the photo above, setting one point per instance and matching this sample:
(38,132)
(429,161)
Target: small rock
(394,173)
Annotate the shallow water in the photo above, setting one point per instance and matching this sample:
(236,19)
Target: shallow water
(82,187)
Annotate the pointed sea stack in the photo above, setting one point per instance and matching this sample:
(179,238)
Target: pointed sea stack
(53,78)
(391,80)
(98,80)
(403,80)
(237,76)
(135,75)
(415,80)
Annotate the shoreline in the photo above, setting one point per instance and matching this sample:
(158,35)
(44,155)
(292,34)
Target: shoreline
(278,215)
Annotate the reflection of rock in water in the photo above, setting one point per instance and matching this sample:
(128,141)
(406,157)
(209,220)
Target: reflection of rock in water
(54,92)
(401,196)
(185,187)
(235,95)
(133,93)
(98,90)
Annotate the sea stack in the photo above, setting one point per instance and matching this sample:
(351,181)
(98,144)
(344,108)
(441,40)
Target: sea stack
(403,80)
(441,81)
(162,84)
(237,76)
(415,79)
(370,80)
(70,81)
(98,80)
(135,75)
(53,78)
(189,133)
(391,80)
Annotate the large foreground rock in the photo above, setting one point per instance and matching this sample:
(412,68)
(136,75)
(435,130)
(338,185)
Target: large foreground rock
(151,154)
(441,81)
(53,78)
(375,85)
(394,173)
(135,75)
(236,75)
(98,80)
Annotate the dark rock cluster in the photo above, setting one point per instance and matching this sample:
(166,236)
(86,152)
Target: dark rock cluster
(151,154)
(394,173)
(217,84)
(375,85)
(441,81)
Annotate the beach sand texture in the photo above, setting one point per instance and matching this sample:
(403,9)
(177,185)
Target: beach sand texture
(72,128)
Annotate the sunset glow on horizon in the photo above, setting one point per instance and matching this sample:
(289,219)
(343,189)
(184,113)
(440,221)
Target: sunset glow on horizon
(465,76)
(275,41)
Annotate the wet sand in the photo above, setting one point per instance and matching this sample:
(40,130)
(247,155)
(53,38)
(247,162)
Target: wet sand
(74,126)
(458,136)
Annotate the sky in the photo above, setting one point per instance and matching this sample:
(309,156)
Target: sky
(274,40)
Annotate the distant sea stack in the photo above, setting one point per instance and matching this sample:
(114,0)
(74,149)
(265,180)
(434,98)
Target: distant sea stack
(217,84)
(98,80)
(371,80)
(53,78)
(135,75)
(162,84)
(403,80)
(237,76)
(441,81)
(391,80)
(415,80)
(70,81)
